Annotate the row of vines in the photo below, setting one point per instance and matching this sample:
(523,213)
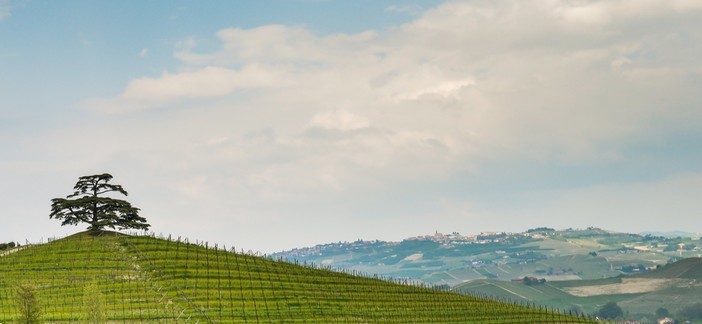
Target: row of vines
(120,278)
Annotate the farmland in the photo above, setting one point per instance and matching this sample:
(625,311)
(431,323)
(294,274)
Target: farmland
(674,287)
(149,279)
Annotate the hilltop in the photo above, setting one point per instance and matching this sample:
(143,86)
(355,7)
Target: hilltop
(144,279)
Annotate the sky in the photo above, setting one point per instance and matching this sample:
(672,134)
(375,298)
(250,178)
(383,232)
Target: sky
(269,125)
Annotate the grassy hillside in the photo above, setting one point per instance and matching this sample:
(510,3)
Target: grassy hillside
(146,279)
(550,294)
(690,268)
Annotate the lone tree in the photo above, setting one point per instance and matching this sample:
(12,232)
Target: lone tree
(87,205)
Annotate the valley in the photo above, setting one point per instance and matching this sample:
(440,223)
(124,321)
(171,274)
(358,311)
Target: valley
(573,269)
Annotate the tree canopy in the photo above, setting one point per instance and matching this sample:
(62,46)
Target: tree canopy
(88,205)
(610,310)
(662,312)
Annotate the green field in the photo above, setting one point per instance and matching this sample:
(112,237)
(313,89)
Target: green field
(147,279)
(549,294)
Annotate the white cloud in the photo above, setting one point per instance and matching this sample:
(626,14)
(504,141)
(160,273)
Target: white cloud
(277,44)
(551,80)
(206,82)
(412,9)
(339,120)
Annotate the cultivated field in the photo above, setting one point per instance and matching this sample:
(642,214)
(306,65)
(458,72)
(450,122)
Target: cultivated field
(626,286)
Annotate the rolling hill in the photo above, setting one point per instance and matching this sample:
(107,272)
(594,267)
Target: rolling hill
(690,268)
(673,287)
(149,279)
(452,259)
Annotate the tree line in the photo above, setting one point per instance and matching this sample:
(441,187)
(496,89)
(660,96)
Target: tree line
(7,246)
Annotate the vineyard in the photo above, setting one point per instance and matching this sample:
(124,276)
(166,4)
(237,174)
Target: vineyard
(127,278)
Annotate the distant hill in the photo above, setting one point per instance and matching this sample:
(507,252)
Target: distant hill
(452,259)
(672,234)
(147,279)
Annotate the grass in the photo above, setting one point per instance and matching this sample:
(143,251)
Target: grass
(147,279)
(549,293)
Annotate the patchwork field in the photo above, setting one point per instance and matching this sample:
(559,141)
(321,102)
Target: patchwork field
(626,286)
(674,287)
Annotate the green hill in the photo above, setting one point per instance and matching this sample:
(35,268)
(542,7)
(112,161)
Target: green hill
(690,268)
(146,279)
(515,291)
(551,294)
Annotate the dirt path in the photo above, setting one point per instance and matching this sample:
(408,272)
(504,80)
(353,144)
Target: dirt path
(512,292)
(13,250)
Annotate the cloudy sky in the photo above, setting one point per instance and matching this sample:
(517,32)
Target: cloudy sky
(270,125)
